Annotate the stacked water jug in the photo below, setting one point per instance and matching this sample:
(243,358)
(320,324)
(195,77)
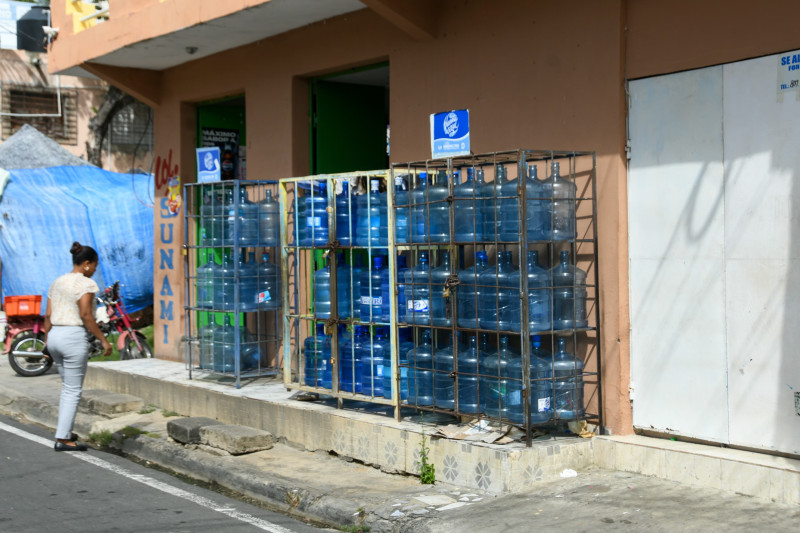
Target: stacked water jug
(238,225)
(480,372)
(458,293)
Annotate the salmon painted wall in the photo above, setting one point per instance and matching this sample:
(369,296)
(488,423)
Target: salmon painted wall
(680,35)
(552,82)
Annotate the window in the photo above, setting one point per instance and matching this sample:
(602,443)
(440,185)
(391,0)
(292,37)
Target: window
(27,100)
(132,127)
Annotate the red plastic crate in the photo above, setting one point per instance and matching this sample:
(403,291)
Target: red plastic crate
(23,305)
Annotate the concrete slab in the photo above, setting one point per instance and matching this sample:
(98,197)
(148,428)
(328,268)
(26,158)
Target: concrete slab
(109,403)
(187,430)
(236,440)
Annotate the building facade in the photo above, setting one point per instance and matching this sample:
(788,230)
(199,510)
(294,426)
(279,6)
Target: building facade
(533,74)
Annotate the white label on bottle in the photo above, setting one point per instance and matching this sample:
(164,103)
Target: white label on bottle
(515,398)
(313,221)
(377,300)
(418,306)
(544,404)
(264,297)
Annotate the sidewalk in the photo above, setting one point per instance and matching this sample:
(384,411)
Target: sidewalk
(343,491)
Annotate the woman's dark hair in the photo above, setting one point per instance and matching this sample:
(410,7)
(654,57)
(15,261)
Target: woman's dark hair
(82,253)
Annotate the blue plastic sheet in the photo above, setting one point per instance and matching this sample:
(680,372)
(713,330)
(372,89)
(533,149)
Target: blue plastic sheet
(42,211)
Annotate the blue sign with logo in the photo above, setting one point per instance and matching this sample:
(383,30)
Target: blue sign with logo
(208,168)
(450,133)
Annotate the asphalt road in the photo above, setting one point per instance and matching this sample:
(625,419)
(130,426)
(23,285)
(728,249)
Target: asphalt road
(42,490)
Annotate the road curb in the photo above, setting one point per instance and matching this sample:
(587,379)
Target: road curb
(279,493)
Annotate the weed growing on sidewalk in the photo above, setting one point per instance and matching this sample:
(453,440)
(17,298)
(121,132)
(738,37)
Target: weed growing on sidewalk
(427,472)
(103,438)
(147,410)
(169,413)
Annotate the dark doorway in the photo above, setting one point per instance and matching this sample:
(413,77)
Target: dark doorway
(350,120)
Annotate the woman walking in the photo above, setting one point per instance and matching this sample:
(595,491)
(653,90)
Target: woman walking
(69,315)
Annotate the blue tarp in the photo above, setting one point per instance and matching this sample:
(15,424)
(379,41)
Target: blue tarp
(43,210)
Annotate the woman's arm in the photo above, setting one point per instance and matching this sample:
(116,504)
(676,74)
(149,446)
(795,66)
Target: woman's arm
(85,307)
(47,323)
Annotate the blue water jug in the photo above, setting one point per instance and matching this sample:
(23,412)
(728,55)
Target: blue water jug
(439,209)
(468,223)
(419,210)
(346,216)
(418,293)
(569,295)
(371,222)
(540,293)
(495,384)
(568,386)
(350,361)
(443,383)
(420,371)
(491,205)
(248,283)
(371,297)
(314,230)
(468,293)
(317,366)
(563,193)
(354,279)
(322,292)
(373,352)
(269,284)
(499,297)
(441,314)
(217,200)
(468,369)
(243,217)
(404,344)
(205,283)
(401,270)
(225,283)
(205,336)
(402,211)
(269,224)
(541,368)
(510,312)
(535,212)
(225,348)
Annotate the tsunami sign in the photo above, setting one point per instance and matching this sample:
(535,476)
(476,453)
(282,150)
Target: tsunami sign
(450,133)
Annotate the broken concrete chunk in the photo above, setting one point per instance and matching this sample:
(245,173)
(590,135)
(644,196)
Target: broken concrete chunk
(236,440)
(187,430)
(109,403)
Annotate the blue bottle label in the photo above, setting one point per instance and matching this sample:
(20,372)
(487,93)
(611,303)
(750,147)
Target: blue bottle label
(377,300)
(418,306)
(544,404)
(264,297)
